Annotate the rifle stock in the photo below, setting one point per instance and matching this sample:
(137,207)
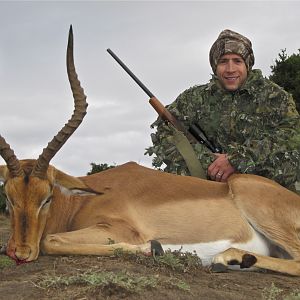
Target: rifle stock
(167,116)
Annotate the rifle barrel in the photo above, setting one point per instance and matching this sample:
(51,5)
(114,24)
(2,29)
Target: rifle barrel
(194,132)
(127,70)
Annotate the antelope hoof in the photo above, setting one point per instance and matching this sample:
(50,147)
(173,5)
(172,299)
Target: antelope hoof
(218,268)
(248,260)
(156,248)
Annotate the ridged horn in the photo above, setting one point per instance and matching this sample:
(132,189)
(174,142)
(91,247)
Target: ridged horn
(79,112)
(11,160)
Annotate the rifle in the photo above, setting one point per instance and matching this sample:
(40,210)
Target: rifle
(194,133)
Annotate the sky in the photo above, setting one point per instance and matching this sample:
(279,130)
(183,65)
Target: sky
(165,43)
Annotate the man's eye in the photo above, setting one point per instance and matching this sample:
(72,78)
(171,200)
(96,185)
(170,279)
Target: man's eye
(238,61)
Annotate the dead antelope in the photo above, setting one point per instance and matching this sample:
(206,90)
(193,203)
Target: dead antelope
(249,221)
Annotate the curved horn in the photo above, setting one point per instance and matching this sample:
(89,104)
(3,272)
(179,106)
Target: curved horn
(11,160)
(79,112)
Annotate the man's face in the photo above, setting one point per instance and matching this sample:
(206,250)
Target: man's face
(231,71)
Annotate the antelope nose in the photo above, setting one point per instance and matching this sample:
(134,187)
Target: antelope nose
(22,252)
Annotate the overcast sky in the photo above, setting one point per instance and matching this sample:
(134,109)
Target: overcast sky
(166,45)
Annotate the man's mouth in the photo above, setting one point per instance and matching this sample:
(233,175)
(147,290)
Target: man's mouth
(231,78)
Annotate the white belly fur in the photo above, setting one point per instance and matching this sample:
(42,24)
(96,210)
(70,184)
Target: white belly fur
(206,251)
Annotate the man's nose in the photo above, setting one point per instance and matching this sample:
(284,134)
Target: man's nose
(230,66)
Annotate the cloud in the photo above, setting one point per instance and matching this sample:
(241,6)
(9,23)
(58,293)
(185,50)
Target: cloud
(165,44)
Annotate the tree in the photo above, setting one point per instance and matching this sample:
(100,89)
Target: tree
(2,199)
(96,168)
(286,73)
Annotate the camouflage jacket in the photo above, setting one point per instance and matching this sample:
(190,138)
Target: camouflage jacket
(258,127)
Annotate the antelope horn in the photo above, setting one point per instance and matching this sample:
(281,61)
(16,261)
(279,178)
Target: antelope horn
(79,112)
(11,160)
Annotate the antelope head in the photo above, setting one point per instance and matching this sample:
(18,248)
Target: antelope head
(28,184)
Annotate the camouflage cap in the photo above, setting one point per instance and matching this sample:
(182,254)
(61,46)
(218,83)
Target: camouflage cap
(231,42)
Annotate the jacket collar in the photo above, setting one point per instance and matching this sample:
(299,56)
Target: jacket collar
(253,80)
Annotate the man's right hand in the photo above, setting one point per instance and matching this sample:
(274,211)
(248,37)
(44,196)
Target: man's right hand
(220,169)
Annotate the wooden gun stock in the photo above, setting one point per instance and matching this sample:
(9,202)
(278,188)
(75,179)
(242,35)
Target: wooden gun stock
(167,116)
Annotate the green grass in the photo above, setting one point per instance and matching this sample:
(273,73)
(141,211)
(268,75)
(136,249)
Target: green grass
(271,293)
(178,261)
(295,295)
(5,261)
(123,280)
(275,293)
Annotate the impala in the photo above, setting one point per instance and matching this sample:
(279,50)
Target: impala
(249,221)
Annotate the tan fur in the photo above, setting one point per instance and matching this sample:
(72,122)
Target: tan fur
(132,204)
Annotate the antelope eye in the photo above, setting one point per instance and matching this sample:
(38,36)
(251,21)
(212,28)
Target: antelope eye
(47,201)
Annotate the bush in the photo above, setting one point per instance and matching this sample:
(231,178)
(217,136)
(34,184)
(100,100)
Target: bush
(286,73)
(96,168)
(2,199)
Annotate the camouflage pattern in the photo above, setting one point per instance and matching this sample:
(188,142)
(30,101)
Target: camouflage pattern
(231,42)
(257,126)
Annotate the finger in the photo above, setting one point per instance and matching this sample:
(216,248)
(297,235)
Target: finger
(210,168)
(226,175)
(219,175)
(213,173)
(213,169)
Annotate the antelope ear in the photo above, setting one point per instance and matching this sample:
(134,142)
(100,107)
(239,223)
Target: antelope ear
(70,184)
(3,173)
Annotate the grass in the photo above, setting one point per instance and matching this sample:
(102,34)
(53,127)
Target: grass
(176,261)
(271,293)
(179,261)
(5,261)
(122,280)
(126,282)
(275,293)
(295,295)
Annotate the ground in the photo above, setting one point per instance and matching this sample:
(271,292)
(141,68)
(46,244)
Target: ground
(126,276)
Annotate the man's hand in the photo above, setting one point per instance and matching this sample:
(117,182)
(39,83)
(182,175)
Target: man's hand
(221,168)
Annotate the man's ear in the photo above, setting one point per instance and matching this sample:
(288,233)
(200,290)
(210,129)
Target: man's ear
(71,184)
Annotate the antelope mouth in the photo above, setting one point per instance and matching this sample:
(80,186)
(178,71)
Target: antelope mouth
(20,261)
(12,254)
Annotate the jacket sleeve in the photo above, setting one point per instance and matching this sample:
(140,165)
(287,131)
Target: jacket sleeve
(273,147)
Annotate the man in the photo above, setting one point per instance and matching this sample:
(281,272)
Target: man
(250,118)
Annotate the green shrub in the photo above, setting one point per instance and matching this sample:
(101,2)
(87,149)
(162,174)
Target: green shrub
(2,199)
